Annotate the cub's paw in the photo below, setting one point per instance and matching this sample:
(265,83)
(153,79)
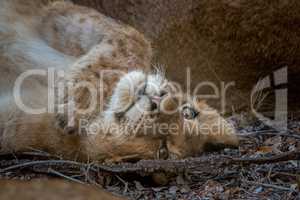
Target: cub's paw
(69,122)
(62,123)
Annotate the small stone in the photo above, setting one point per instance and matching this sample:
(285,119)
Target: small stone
(258,190)
(138,185)
(184,190)
(180,180)
(173,190)
(158,189)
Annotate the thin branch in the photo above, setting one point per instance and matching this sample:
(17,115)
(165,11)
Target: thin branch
(40,162)
(209,164)
(269,132)
(269,185)
(291,155)
(52,171)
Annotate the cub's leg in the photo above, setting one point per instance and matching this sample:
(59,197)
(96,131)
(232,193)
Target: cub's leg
(75,30)
(106,50)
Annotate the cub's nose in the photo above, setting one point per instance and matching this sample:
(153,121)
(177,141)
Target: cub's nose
(154,106)
(155,101)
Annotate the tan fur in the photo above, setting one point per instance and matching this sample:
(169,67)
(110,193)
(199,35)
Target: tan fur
(192,135)
(83,43)
(84,54)
(51,189)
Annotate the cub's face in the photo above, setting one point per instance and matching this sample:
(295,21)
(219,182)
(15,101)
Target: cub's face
(193,125)
(135,101)
(160,124)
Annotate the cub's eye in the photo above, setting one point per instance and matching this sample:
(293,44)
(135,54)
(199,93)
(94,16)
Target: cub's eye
(163,93)
(189,113)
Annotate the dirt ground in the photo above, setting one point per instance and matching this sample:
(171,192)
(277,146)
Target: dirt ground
(272,172)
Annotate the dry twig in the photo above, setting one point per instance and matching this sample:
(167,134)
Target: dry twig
(211,164)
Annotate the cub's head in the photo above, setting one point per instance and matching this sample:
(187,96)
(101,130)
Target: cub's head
(136,101)
(192,124)
(163,125)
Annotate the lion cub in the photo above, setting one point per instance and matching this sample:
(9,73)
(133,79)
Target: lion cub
(98,63)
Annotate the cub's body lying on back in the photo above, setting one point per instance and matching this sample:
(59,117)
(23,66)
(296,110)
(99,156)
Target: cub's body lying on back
(83,43)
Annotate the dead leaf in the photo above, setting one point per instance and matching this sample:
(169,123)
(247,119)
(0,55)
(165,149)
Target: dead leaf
(265,149)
